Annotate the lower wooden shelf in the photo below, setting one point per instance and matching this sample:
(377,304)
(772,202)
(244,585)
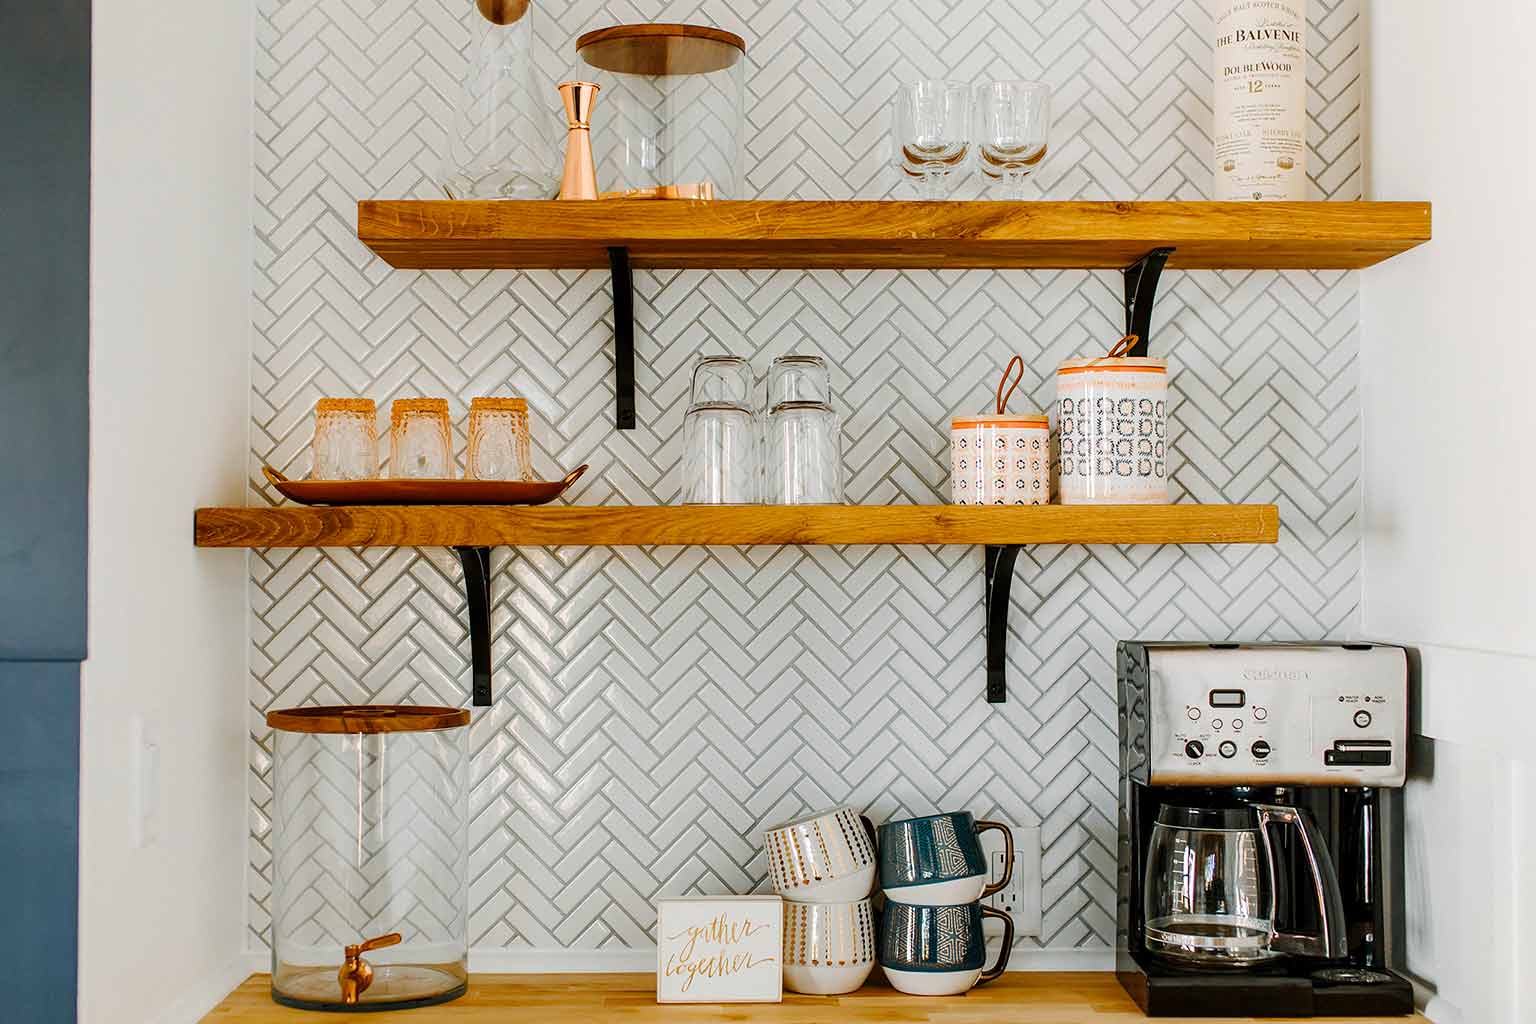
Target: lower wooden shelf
(562,525)
(1017,998)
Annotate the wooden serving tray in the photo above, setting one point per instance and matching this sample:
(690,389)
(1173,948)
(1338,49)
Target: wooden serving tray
(421,492)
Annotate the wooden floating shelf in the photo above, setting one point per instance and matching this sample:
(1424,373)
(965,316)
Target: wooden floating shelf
(483,234)
(1016,998)
(292,526)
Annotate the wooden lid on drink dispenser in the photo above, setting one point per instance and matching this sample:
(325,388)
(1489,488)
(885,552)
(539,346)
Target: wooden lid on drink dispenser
(661,49)
(368,718)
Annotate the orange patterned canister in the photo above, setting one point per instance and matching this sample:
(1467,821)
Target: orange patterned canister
(1112,423)
(1000,460)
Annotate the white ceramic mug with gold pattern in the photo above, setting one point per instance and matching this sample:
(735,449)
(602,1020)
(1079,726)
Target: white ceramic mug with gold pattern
(829,948)
(827,857)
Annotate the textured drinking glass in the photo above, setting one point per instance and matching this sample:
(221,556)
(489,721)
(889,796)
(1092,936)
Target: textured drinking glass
(346,445)
(499,446)
(720,450)
(799,379)
(420,439)
(930,132)
(804,462)
(1013,127)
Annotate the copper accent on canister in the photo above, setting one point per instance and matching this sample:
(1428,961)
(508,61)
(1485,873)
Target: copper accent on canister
(367,719)
(579,181)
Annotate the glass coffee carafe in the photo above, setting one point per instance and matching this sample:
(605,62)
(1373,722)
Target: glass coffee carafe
(1211,887)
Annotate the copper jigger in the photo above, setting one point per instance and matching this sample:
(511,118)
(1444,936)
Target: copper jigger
(580,178)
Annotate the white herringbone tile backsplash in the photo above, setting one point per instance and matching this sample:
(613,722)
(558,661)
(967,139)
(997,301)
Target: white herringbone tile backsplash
(657,707)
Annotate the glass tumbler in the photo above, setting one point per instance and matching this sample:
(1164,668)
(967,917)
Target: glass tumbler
(420,439)
(499,446)
(799,379)
(804,461)
(930,133)
(1013,127)
(720,451)
(346,445)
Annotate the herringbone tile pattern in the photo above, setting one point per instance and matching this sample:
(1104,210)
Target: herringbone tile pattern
(657,707)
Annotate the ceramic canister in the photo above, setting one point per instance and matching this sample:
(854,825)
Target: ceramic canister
(1000,460)
(1112,425)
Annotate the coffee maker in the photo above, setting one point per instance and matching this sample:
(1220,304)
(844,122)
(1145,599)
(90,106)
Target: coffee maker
(1261,845)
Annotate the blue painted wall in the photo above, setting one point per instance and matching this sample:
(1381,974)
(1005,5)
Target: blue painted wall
(45,68)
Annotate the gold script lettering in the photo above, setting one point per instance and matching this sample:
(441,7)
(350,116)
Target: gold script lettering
(721,932)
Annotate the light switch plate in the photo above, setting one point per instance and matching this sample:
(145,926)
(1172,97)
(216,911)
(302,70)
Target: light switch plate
(1021,899)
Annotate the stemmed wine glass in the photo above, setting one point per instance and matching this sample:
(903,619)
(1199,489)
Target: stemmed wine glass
(1013,127)
(930,127)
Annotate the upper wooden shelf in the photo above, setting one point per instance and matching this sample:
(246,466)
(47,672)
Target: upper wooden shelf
(560,525)
(483,234)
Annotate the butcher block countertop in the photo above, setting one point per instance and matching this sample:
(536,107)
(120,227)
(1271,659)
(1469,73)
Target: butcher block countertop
(1022,998)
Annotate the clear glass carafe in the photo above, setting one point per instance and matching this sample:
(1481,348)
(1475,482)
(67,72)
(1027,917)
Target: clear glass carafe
(501,144)
(1210,887)
(370,857)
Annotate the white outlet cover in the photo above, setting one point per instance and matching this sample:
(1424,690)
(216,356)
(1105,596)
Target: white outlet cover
(1021,900)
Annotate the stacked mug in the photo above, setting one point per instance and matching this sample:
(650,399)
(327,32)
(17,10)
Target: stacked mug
(934,876)
(824,867)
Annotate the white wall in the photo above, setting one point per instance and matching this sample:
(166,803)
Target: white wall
(161,926)
(1450,555)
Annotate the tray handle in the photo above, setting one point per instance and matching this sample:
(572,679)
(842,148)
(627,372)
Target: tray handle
(274,477)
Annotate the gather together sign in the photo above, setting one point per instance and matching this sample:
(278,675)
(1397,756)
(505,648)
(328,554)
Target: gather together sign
(719,949)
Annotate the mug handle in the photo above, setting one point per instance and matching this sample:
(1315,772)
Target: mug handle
(869,827)
(982,826)
(1002,955)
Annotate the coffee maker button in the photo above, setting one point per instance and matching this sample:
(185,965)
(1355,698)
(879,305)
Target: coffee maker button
(1237,724)
(1260,749)
(1215,723)
(1227,748)
(1259,714)
(1194,749)
(1194,714)
(1363,719)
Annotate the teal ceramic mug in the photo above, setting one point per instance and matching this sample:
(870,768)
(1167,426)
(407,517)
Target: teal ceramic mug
(937,861)
(939,951)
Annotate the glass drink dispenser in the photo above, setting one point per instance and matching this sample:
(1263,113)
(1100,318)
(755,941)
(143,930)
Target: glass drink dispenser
(370,857)
(668,121)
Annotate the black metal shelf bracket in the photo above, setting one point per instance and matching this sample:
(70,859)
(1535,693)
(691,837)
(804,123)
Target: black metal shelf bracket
(1000,560)
(477,592)
(623,337)
(1141,280)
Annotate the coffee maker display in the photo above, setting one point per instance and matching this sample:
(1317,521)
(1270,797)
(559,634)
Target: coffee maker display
(1260,848)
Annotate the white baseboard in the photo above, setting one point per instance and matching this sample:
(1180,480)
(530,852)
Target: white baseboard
(610,961)
(210,989)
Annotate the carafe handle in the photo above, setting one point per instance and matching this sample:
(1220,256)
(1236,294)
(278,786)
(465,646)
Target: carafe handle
(1331,942)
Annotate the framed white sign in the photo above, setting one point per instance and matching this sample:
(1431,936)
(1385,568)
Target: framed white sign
(720,949)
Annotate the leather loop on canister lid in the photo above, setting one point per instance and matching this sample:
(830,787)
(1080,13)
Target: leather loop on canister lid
(368,718)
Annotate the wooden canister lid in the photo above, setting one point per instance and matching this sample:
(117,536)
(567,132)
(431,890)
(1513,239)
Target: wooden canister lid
(661,49)
(368,718)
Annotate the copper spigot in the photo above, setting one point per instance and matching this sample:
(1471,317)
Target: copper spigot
(356,974)
(580,178)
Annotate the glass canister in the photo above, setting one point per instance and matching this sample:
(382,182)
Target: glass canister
(370,857)
(720,463)
(671,121)
(1112,426)
(501,144)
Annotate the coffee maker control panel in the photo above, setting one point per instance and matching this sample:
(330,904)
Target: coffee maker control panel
(1271,714)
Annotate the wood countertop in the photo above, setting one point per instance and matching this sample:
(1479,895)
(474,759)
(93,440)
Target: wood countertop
(1019,998)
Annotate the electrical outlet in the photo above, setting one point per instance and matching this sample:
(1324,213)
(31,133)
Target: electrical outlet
(1020,899)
